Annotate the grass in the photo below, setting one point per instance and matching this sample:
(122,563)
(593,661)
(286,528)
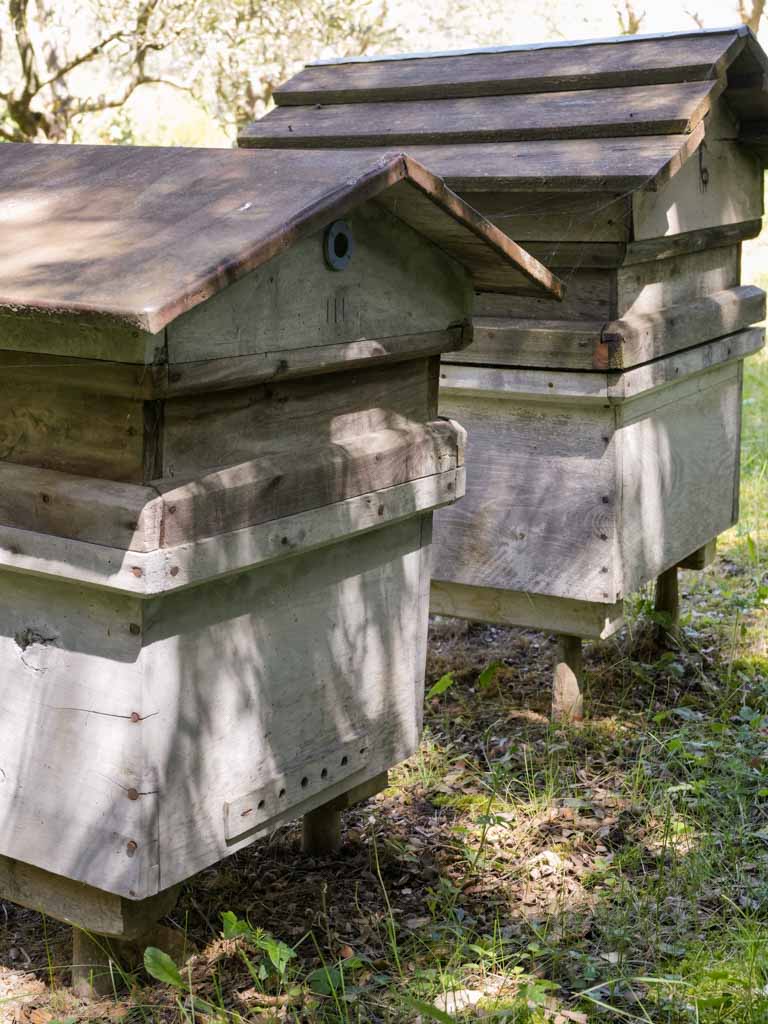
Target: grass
(613,872)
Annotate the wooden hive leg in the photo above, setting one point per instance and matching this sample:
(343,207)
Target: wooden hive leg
(99,962)
(567,699)
(667,603)
(321,828)
(95,960)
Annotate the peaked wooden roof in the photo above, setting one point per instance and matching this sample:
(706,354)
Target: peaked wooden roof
(614,114)
(140,235)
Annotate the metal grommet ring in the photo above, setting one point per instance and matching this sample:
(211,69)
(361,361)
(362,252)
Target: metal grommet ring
(338,245)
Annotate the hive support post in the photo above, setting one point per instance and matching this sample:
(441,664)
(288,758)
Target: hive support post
(95,972)
(321,828)
(667,603)
(667,598)
(567,699)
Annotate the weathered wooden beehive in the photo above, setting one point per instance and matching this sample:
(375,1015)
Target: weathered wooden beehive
(604,434)
(221,450)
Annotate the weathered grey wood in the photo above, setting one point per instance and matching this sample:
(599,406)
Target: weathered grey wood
(679,461)
(94,910)
(170,228)
(647,287)
(590,295)
(667,604)
(96,971)
(642,337)
(321,832)
(206,432)
(128,516)
(720,184)
(539,513)
(525,277)
(73,431)
(603,64)
(240,371)
(567,699)
(599,388)
(587,113)
(591,620)
(546,165)
(701,557)
(562,216)
(255,315)
(144,575)
(320,624)
(613,345)
(688,241)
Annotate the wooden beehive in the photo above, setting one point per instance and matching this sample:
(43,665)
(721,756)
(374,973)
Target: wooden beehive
(221,451)
(603,434)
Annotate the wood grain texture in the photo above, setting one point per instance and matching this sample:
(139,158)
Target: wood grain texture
(645,288)
(539,513)
(305,657)
(81,905)
(212,431)
(74,431)
(145,575)
(395,284)
(542,70)
(612,345)
(588,619)
(169,228)
(557,216)
(720,184)
(593,165)
(679,459)
(668,109)
(69,812)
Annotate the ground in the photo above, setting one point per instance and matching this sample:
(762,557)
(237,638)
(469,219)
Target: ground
(513,871)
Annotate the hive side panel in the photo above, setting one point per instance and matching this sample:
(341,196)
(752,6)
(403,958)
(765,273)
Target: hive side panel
(539,512)
(648,287)
(70,752)
(72,430)
(679,450)
(396,283)
(721,183)
(310,656)
(226,428)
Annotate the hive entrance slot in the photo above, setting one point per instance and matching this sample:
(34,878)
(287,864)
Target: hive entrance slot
(292,787)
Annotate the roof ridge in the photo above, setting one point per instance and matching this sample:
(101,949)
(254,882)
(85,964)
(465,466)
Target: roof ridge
(739,30)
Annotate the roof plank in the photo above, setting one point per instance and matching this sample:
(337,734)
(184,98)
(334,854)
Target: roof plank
(590,113)
(683,58)
(555,165)
(139,235)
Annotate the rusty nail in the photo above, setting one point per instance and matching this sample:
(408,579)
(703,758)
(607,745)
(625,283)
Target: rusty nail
(131,847)
(135,716)
(137,570)
(171,509)
(133,794)
(174,570)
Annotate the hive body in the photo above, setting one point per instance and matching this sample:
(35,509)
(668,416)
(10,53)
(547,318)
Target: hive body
(603,431)
(215,514)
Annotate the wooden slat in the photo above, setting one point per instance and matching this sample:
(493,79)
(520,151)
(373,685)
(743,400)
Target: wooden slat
(684,58)
(152,573)
(590,113)
(168,228)
(588,619)
(612,345)
(588,165)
